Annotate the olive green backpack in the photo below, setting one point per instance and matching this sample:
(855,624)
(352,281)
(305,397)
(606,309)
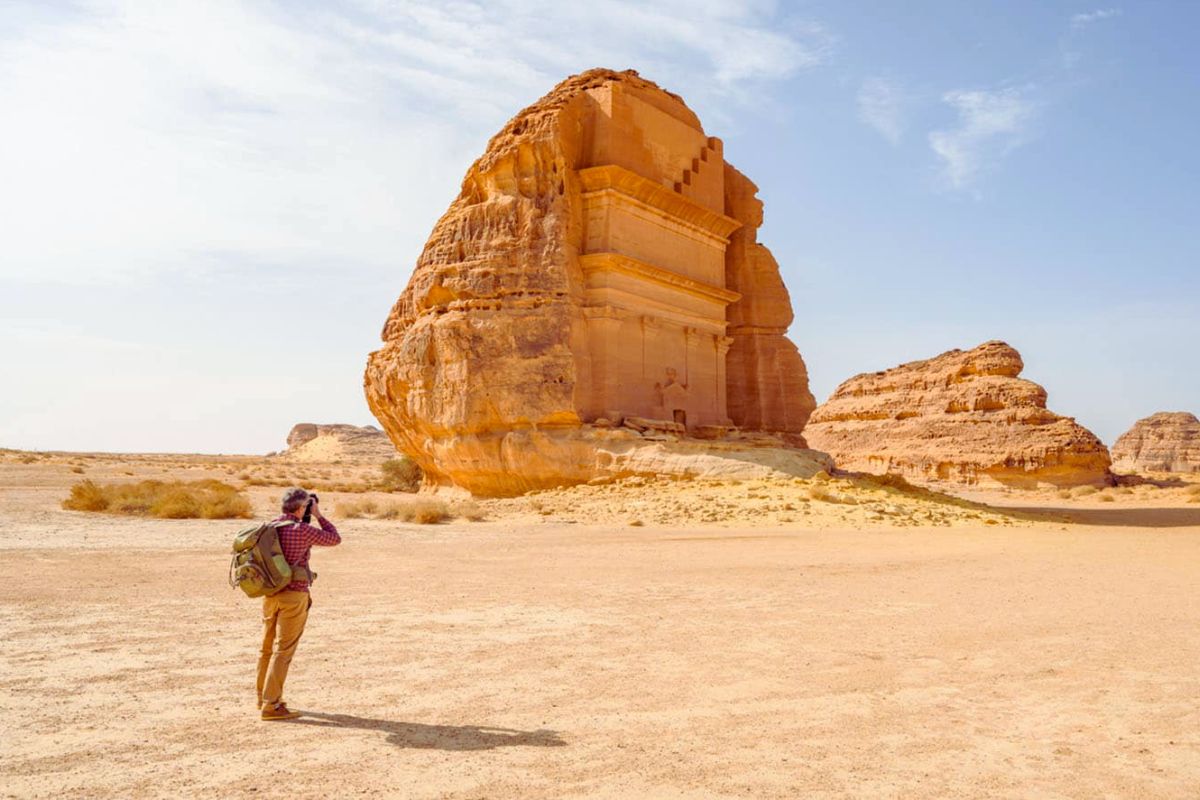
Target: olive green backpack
(258,567)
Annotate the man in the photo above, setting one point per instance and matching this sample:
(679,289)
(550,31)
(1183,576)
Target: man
(285,613)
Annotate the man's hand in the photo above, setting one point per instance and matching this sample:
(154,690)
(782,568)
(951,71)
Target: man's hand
(316,509)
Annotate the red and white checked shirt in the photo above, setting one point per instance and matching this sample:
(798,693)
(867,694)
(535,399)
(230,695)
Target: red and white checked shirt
(297,540)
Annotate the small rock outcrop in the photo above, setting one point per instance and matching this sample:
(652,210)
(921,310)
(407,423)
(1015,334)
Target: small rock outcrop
(963,417)
(598,277)
(1163,442)
(310,442)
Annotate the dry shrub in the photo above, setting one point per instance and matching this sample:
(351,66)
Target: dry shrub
(400,475)
(206,499)
(469,510)
(77,470)
(1064,494)
(86,496)
(821,494)
(1084,491)
(258,482)
(1194,490)
(1106,498)
(820,477)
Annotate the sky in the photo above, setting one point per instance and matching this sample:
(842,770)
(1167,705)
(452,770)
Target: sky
(208,208)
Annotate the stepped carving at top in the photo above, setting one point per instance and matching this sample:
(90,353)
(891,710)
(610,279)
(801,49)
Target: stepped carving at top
(1163,442)
(963,417)
(597,278)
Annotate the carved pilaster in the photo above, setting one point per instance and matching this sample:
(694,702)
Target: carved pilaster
(721,345)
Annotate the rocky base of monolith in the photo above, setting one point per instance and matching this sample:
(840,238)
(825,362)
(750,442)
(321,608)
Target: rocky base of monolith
(512,463)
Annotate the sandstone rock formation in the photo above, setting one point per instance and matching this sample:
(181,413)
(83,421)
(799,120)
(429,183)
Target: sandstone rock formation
(309,442)
(963,417)
(1163,442)
(600,265)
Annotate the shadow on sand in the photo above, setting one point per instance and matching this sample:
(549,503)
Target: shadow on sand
(1118,517)
(436,737)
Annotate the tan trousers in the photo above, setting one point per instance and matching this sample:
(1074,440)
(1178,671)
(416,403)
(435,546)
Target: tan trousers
(284,615)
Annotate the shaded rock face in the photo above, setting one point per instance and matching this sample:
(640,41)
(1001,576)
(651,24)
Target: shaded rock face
(309,442)
(963,417)
(1163,442)
(600,263)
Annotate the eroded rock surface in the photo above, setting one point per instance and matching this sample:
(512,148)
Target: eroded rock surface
(963,417)
(600,264)
(311,442)
(1163,442)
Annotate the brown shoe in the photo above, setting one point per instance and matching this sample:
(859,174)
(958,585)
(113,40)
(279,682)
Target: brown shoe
(280,711)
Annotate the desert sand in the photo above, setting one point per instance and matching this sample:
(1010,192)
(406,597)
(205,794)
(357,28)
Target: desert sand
(644,639)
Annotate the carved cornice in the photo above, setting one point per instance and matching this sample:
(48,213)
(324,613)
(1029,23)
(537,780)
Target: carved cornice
(616,262)
(618,180)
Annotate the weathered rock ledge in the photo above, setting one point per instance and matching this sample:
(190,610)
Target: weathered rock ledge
(512,462)
(308,441)
(1163,442)
(962,417)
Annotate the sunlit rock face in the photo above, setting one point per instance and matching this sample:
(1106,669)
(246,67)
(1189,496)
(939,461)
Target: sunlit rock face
(1163,442)
(962,417)
(599,267)
(307,441)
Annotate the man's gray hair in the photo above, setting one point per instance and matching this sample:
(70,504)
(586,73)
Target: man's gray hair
(294,499)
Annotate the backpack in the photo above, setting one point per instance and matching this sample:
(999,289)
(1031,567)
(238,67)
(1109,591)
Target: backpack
(258,567)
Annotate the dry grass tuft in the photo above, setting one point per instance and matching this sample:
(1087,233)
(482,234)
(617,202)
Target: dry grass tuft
(358,509)
(1193,490)
(1106,498)
(421,511)
(206,499)
(823,495)
(468,510)
(77,470)
(1083,491)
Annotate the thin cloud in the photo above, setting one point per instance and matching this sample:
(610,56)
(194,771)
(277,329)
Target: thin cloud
(158,135)
(1088,17)
(881,105)
(990,125)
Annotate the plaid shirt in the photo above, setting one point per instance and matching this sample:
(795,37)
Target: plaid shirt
(297,540)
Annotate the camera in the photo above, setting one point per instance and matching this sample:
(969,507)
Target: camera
(312,498)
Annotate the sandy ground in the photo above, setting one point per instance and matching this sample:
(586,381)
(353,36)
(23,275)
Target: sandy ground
(727,646)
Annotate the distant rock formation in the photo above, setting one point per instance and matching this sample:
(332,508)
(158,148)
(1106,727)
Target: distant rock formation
(599,274)
(309,442)
(963,417)
(1163,442)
